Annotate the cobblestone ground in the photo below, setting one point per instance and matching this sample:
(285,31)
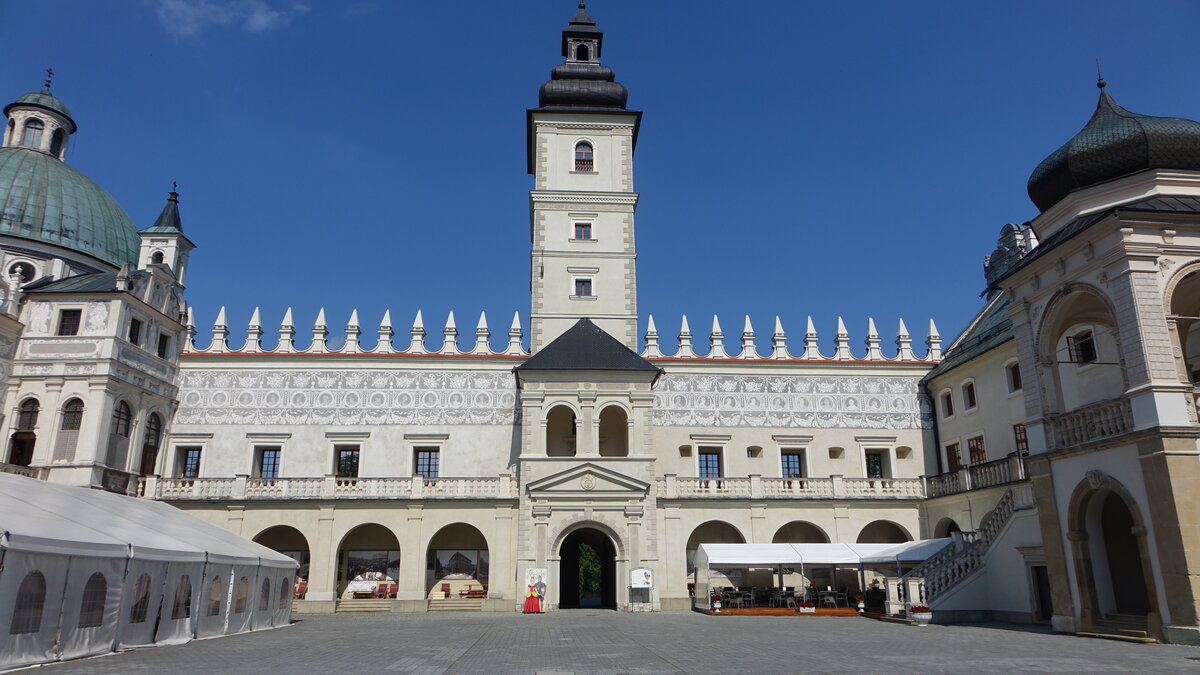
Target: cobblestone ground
(607,642)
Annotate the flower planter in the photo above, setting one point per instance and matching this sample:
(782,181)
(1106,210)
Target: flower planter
(922,618)
(806,610)
(861,606)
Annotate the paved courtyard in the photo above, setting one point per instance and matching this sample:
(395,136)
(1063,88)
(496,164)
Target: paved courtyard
(607,642)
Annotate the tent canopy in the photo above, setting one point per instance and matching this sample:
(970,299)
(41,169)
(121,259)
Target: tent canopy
(742,555)
(41,517)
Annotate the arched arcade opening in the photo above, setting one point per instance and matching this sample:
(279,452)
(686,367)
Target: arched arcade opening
(587,570)
(883,532)
(369,552)
(456,561)
(290,542)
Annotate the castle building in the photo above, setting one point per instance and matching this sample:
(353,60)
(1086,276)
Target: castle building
(1052,442)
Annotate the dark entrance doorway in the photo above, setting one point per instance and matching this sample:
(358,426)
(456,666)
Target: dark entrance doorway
(1124,557)
(588,568)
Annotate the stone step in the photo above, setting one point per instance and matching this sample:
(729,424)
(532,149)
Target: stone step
(1118,636)
(347,606)
(455,605)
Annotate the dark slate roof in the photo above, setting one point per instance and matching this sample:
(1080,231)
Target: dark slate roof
(583,85)
(98,282)
(168,221)
(1114,143)
(988,330)
(1159,204)
(585,346)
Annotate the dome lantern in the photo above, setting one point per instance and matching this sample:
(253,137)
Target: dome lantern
(39,121)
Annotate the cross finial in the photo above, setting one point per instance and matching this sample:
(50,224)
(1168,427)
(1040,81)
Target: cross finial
(581,4)
(49,77)
(1099,78)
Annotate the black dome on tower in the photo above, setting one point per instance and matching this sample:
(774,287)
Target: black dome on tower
(1114,143)
(582,82)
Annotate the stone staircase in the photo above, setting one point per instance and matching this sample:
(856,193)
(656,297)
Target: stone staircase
(1128,627)
(954,564)
(354,606)
(456,604)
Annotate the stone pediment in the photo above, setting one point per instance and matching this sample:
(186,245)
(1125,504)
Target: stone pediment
(589,481)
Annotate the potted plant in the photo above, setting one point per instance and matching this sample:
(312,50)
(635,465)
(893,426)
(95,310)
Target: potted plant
(806,607)
(715,598)
(862,602)
(921,614)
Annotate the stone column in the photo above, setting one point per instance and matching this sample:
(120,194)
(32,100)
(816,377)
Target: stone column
(587,436)
(322,553)
(412,558)
(1061,596)
(1171,473)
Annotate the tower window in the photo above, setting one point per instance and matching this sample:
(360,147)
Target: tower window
(32,138)
(56,142)
(583,288)
(582,53)
(1082,347)
(157,258)
(583,231)
(583,157)
(164,346)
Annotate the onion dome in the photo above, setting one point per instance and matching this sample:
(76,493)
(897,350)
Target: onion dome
(1114,143)
(582,82)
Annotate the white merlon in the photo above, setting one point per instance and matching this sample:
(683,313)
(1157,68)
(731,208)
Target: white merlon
(449,336)
(254,333)
(190,331)
(748,349)
(417,345)
(320,332)
(652,349)
(287,332)
(874,350)
(482,336)
(514,336)
(717,341)
(685,350)
(779,348)
(935,343)
(903,343)
(841,343)
(812,351)
(220,334)
(352,333)
(384,345)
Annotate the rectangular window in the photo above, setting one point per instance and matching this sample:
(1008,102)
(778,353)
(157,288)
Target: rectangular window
(583,288)
(68,322)
(875,465)
(583,231)
(135,332)
(164,346)
(268,463)
(426,463)
(969,395)
(975,448)
(189,462)
(793,465)
(947,405)
(1022,441)
(953,457)
(1082,347)
(1014,377)
(347,461)
(710,462)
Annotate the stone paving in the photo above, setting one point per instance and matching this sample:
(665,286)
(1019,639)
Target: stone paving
(592,641)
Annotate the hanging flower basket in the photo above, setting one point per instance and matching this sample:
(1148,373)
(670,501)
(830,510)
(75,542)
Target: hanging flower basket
(921,614)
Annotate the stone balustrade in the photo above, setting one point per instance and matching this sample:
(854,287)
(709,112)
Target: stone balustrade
(1001,471)
(243,487)
(18,470)
(1095,422)
(754,486)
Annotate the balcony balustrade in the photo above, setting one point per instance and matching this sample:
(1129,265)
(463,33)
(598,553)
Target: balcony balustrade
(327,487)
(1001,471)
(758,487)
(18,470)
(1095,422)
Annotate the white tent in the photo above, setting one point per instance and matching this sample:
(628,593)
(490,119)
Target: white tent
(85,572)
(799,555)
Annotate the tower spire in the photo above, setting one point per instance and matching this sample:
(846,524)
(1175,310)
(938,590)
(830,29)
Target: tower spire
(50,77)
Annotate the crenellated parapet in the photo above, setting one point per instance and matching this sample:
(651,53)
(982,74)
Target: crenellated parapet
(808,351)
(320,342)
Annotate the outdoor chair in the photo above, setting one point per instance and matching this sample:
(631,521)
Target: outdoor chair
(843,597)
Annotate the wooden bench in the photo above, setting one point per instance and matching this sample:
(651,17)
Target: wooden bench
(473,592)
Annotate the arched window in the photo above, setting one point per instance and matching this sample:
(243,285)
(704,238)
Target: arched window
(285,593)
(32,138)
(968,391)
(215,591)
(27,609)
(68,430)
(118,439)
(151,444)
(1082,347)
(581,53)
(264,598)
(141,602)
(28,417)
(583,156)
(157,258)
(56,142)
(122,419)
(183,599)
(91,608)
(243,594)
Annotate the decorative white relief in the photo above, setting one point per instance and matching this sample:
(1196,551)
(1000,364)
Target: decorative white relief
(791,402)
(95,318)
(346,397)
(39,318)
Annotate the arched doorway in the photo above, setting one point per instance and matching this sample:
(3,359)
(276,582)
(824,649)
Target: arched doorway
(800,532)
(614,432)
(883,532)
(290,542)
(1121,552)
(367,553)
(1110,552)
(945,528)
(456,561)
(588,570)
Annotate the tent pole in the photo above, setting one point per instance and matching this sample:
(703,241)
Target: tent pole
(862,578)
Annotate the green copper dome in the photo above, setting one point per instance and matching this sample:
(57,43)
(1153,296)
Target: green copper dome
(42,198)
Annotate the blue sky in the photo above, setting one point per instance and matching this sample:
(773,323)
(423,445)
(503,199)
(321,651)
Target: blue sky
(852,159)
